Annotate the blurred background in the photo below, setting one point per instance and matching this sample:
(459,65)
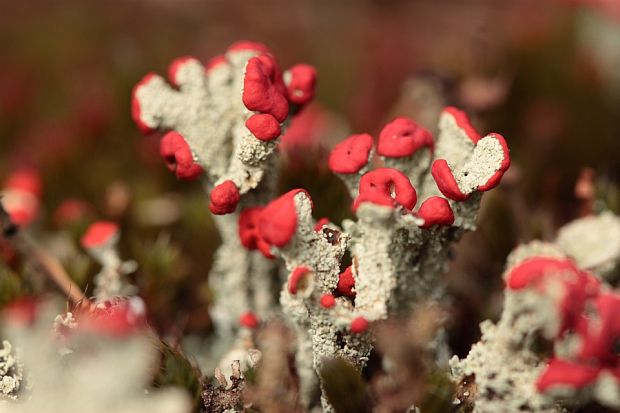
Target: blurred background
(544,73)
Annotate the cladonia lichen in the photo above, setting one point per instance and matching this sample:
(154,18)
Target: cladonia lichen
(554,342)
(225,119)
(397,251)
(11,372)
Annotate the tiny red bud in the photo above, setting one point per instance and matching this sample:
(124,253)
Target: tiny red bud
(346,282)
(296,278)
(328,301)
(224,198)
(359,325)
(99,233)
(248,320)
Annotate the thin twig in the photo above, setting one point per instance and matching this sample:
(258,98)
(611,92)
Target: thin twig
(41,258)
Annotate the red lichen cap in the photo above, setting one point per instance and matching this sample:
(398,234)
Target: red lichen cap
(23,215)
(21,207)
(296,277)
(436,211)
(248,231)
(444,175)
(22,190)
(125,315)
(178,156)
(446,182)
(301,84)
(351,155)
(248,45)
(386,186)
(578,285)
(24,179)
(327,301)
(359,325)
(224,198)
(278,221)
(567,374)
(249,320)
(136,112)
(247,227)
(346,282)
(321,223)
(403,137)
(462,121)
(117,317)
(175,65)
(263,126)
(99,234)
(600,335)
(215,61)
(494,180)
(534,270)
(262,88)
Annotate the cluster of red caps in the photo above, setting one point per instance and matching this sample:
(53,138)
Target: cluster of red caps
(401,138)
(117,317)
(599,334)
(274,225)
(100,234)
(344,288)
(266,92)
(261,228)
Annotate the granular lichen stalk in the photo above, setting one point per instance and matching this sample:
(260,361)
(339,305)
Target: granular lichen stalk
(398,251)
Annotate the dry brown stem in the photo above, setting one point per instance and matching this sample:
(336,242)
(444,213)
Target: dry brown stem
(45,262)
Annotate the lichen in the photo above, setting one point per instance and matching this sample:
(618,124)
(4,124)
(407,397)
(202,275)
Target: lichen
(397,253)
(11,372)
(553,344)
(229,113)
(103,373)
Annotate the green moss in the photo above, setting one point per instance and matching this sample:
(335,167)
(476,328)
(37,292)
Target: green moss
(177,370)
